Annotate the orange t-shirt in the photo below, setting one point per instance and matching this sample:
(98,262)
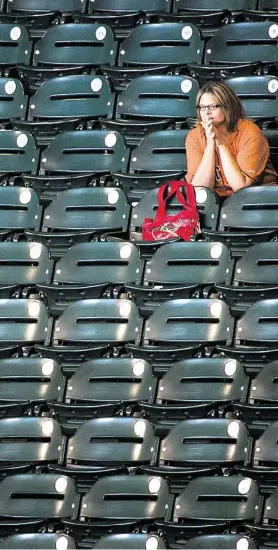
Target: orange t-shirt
(248,146)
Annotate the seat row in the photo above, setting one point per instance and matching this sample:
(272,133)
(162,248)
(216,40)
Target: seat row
(113,323)
(101,445)
(137,501)
(113,268)
(138,109)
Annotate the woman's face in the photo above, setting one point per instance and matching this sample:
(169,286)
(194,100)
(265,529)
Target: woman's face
(217,115)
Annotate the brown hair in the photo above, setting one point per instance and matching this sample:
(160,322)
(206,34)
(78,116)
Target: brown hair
(228,100)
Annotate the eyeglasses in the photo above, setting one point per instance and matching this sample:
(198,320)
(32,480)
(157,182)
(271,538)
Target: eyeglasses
(211,107)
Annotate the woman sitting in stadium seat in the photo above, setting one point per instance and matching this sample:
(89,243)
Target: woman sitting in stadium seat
(226,151)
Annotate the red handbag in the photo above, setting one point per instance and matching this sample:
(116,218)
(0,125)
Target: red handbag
(183,225)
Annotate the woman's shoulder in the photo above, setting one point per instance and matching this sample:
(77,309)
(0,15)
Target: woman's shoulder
(247,127)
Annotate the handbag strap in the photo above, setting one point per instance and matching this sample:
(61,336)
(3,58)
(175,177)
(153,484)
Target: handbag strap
(174,188)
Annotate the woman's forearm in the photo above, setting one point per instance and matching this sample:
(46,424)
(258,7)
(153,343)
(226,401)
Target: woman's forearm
(231,169)
(205,173)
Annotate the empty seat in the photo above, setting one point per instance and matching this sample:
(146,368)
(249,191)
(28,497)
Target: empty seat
(91,270)
(127,6)
(31,6)
(27,442)
(267,5)
(39,541)
(156,45)
(183,321)
(255,277)
(18,153)
(76,44)
(95,152)
(15,47)
(194,447)
(258,326)
(13,102)
(258,95)
(261,405)
(66,102)
(20,209)
(157,158)
(81,214)
(265,455)
(106,445)
(204,5)
(215,500)
(221,541)
(19,497)
(23,322)
(152,99)
(129,542)
(193,387)
(182,270)
(22,266)
(27,382)
(247,217)
(69,49)
(113,498)
(105,386)
(90,322)
(243,42)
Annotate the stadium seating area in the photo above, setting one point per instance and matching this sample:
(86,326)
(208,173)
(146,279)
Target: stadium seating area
(138,380)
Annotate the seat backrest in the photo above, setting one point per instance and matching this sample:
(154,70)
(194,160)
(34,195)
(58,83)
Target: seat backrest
(18,152)
(128,6)
(24,263)
(270,508)
(258,94)
(162,43)
(264,386)
(118,489)
(206,202)
(189,262)
(267,5)
(213,5)
(132,541)
(33,379)
(218,499)
(44,6)
(161,151)
(265,449)
(94,151)
(161,96)
(13,101)
(23,321)
(86,97)
(15,47)
(112,379)
(99,262)
(111,440)
(250,208)
(259,265)
(241,42)
(76,44)
(196,321)
(19,496)
(27,439)
(96,208)
(203,380)
(227,542)
(259,324)
(106,321)
(35,541)
(19,208)
(205,442)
